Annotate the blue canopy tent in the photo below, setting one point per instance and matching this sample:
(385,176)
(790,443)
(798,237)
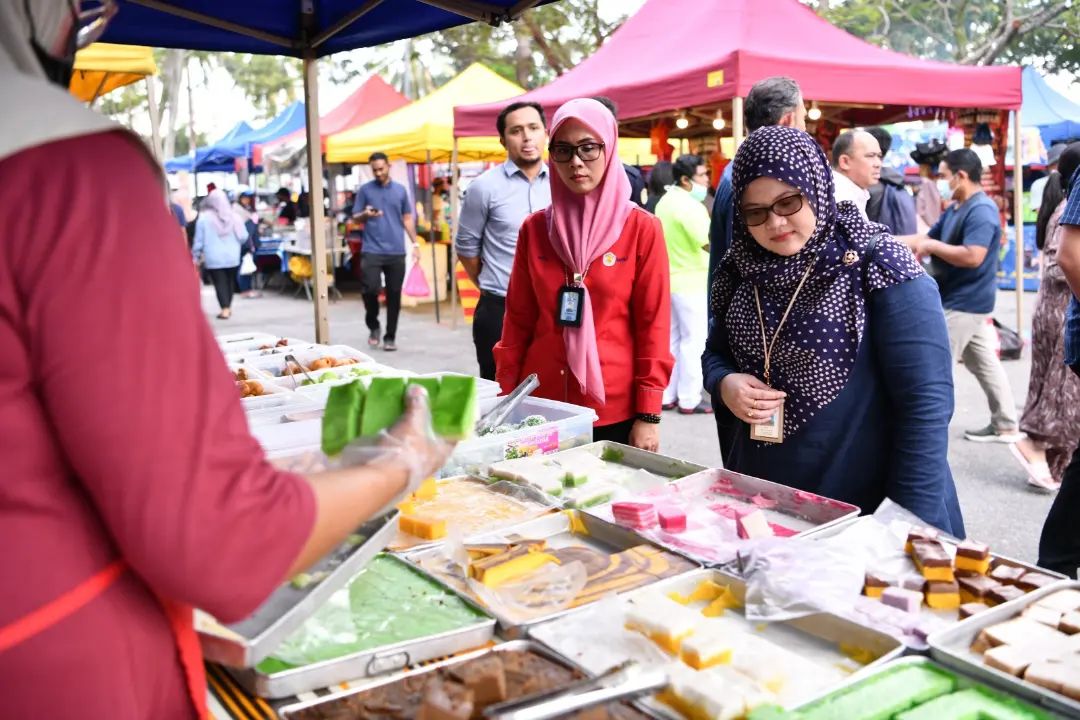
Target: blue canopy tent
(1056,116)
(222,155)
(185,162)
(308,29)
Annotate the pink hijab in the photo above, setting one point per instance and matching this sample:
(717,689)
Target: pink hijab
(584,227)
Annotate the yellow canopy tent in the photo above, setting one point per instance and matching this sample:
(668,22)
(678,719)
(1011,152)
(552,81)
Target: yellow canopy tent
(103,67)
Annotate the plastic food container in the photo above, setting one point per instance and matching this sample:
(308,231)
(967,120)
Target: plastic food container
(275,364)
(567,426)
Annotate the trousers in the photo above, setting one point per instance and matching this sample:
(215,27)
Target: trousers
(689,323)
(972,339)
(487,330)
(375,268)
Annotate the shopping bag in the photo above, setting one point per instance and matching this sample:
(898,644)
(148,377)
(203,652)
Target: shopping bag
(416,285)
(1010,344)
(247,265)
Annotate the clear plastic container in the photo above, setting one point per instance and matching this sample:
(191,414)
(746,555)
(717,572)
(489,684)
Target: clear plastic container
(270,388)
(259,344)
(319,391)
(282,409)
(285,438)
(274,364)
(232,341)
(567,426)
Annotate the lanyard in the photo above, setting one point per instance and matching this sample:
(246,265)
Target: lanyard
(767,347)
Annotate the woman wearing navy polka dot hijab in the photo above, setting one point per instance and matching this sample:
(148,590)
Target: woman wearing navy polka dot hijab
(830,341)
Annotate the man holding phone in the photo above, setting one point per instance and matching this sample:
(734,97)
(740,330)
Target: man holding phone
(383,206)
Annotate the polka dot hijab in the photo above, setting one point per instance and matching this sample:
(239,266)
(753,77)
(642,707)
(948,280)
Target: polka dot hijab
(816,350)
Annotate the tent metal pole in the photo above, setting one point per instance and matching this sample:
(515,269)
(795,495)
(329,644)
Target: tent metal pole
(316,219)
(472,9)
(737,128)
(204,19)
(155,116)
(454,207)
(345,22)
(1018,220)
(431,235)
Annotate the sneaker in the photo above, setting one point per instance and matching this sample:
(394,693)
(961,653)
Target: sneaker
(703,408)
(669,406)
(988,434)
(389,345)
(373,338)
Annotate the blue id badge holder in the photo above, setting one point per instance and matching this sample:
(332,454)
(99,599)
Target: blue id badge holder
(570,306)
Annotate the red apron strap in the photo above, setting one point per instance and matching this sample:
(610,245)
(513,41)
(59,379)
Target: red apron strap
(61,607)
(182,622)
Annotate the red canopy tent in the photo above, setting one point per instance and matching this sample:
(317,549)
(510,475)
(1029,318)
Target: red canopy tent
(373,99)
(677,54)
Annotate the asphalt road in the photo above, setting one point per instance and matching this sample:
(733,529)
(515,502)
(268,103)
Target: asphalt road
(997,504)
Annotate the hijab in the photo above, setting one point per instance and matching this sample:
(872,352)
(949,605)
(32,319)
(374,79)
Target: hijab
(582,228)
(44,112)
(817,347)
(220,211)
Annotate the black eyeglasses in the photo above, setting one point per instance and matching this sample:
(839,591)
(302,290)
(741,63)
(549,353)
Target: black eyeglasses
(561,153)
(787,205)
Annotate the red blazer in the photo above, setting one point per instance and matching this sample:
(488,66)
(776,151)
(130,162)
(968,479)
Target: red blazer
(631,310)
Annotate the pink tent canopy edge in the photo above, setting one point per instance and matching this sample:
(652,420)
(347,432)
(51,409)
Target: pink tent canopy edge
(659,61)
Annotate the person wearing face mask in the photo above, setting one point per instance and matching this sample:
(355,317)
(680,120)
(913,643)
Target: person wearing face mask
(962,247)
(128,500)
(588,308)
(686,233)
(829,344)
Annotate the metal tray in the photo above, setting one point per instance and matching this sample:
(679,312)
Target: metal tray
(628,456)
(963,681)
(376,661)
(290,712)
(570,528)
(952,648)
(815,637)
(248,642)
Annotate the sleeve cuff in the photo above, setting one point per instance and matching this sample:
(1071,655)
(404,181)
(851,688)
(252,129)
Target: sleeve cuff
(649,401)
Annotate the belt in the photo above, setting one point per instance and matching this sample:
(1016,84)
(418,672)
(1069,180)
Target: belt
(486,293)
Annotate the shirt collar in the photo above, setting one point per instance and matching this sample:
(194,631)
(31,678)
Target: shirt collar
(839,177)
(511,169)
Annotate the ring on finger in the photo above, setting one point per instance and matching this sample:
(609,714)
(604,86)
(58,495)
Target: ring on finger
(750,414)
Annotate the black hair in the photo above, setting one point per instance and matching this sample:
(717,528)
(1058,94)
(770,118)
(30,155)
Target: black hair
(843,144)
(686,166)
(1053,194)
(883,137)
(659,179)
(500,122)
(965,159)
(377,156)
(1067,165)
(608,103)
(283,191)
(769,100)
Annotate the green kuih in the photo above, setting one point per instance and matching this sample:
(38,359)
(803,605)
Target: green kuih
(384,405)
(429,384)
(340,424)
(454,412)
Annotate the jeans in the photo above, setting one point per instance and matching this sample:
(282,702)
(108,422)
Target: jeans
(972,338)
(375,268)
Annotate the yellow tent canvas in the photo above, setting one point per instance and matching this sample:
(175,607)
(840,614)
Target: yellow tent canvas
(428,124)
(103,67)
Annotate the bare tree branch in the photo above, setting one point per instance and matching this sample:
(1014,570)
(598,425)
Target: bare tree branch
(541,42)
(1011,28)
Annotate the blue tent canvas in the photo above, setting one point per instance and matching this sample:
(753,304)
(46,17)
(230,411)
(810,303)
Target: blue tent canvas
(184,162)
(240,143)
(1056,116)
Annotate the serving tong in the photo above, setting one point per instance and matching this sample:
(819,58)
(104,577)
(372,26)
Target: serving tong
(496,415)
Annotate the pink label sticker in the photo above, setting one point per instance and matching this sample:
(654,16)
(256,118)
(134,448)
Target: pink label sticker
(541,443)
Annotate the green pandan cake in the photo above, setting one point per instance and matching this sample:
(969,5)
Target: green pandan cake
(454,411)
(340,424)
(384,404)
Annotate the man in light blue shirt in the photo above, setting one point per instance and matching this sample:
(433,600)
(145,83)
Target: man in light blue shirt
(495,206)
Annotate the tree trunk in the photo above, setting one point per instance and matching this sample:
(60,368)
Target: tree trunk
(523,64)
(538,37)
(171,78)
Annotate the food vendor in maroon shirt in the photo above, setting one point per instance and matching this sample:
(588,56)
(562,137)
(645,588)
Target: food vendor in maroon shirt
(131,489)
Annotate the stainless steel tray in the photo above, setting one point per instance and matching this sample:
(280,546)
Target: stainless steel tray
(625,455)
(290,712)
(952,647)
(570,528)
(816,638)
(367,663)
(963,681)
(248,642)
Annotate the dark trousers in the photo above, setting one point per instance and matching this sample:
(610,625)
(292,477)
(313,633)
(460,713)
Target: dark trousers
(374,268)
(1059,545)
(616,432)
(487,330)
(223,280)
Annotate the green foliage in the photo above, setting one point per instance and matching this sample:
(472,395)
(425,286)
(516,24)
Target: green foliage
(1042,33)
(183,143)
(269,82)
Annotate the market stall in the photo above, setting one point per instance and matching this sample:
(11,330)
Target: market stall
(104,67)
(241,148)
(688,592)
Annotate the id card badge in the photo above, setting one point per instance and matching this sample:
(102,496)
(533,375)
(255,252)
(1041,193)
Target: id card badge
(772,430)
(569,310)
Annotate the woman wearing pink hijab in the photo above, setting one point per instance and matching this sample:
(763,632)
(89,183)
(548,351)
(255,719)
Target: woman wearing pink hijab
(588,307)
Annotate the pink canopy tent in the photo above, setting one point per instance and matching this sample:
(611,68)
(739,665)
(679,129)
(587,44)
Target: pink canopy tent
(373,99)
(679,54)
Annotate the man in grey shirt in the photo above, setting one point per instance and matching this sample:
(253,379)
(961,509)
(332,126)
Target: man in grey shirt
(495,206)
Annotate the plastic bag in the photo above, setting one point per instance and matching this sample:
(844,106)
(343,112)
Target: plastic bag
(247,265)
(794,577)
(550,589)
(416,284)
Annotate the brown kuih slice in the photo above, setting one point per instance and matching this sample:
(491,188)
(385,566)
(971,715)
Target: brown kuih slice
(972,549)
(1033,580)
(446,700)
(1003,594)
(1008,574)
(972,608)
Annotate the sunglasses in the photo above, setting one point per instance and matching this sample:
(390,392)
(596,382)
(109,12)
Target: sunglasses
(787,205)
(562,152)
